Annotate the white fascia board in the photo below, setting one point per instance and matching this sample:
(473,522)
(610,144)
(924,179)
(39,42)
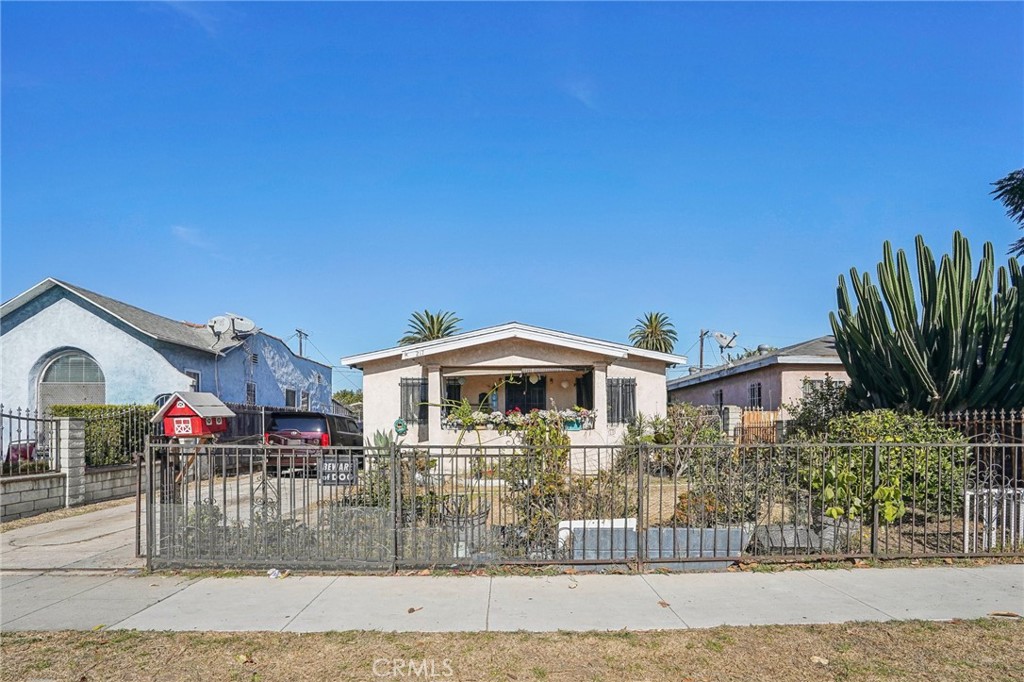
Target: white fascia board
(696,379)
(512,331)
(504,334)
(809,360)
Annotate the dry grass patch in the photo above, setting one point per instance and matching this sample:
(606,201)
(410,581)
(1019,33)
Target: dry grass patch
(961,650)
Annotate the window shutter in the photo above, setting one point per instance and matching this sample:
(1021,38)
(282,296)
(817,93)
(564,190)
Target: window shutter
(628,400)
(621,400)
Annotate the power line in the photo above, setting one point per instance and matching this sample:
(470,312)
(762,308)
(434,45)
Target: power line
(337,368)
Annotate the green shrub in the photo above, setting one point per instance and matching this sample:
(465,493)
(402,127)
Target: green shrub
(541,491)
(672,441)
(113,433)
(816,410)
(914,474)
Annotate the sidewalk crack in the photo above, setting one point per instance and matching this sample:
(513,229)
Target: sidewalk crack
(853,597)
(310,603)
(487,615)
(662,599)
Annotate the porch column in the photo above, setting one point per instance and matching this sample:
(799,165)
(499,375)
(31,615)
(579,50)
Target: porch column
(601,397)
(433,402)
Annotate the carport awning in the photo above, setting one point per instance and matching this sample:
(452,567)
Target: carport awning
(497,371)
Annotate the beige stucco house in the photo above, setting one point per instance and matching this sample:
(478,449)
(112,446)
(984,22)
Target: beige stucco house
(768,381)
(510,366)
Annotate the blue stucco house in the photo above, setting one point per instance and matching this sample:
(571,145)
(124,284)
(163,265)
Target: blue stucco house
(62,344)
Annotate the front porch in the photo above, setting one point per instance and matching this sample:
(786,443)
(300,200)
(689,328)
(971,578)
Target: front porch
(488,405)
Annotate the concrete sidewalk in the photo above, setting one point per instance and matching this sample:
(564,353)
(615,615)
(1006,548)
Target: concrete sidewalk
(51,601)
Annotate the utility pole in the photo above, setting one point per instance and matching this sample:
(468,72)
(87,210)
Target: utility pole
(302,337)
(703,335)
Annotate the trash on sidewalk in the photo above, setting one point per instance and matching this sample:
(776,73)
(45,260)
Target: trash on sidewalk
(275,574)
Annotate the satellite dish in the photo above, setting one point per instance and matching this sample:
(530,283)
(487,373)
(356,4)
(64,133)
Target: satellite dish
(241,325)
(725,341)
(220,324)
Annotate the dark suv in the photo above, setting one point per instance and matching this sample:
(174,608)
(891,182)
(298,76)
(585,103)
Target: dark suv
(308,432)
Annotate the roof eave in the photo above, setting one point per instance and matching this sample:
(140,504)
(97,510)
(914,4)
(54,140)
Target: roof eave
(696,379)
(505,332)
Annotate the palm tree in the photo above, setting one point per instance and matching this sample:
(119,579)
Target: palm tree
(1010,191)
(427,326)
(655,332)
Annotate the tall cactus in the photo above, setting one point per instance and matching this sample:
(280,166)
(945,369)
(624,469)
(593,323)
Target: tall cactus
(964,349)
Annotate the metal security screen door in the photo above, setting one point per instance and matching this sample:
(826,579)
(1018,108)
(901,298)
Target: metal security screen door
(526,393)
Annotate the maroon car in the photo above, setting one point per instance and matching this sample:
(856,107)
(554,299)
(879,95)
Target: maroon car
(302,435)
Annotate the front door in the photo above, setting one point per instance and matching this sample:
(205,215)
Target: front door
(525,394)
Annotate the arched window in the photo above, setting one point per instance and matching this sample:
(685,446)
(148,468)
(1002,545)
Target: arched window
(71,379)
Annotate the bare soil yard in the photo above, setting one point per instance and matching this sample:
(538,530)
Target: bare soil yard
(990,649)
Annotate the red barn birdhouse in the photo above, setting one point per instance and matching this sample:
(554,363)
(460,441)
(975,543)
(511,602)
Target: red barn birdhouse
(193,415)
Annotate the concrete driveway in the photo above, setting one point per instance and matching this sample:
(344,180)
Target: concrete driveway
(103,539)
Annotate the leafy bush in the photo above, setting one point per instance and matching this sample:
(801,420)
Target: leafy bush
(816,410)
(914,475)
(113,433)
(541,492)
(724,485)
(672,439)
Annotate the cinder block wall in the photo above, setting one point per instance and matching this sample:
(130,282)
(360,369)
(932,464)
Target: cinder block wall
(30,495)
(109,483)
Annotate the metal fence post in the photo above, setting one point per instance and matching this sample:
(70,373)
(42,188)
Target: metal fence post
(138,498)
(641,521)
(150,505)
(395,501)
(875,483)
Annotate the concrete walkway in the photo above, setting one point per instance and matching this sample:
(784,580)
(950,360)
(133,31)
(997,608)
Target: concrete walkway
(103,539)
(56,601)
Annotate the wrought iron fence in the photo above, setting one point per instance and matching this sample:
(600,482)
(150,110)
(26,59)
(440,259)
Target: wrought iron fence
(29,442)
(986,426)
(689,507)
(116,434)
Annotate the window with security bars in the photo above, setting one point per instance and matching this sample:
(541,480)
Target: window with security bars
(718,396)
(452,394)
(621,401)
(755,395)
(250,393)
(414,400)
(304,400)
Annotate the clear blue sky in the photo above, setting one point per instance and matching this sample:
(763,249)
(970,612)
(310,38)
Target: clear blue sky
(336,166)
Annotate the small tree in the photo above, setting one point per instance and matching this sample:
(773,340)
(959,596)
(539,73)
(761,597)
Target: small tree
(348,397)
(815,411)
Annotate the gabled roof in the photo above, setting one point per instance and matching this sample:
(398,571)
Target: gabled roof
(512,330)
(819,351)
(200,337)
(203,404)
